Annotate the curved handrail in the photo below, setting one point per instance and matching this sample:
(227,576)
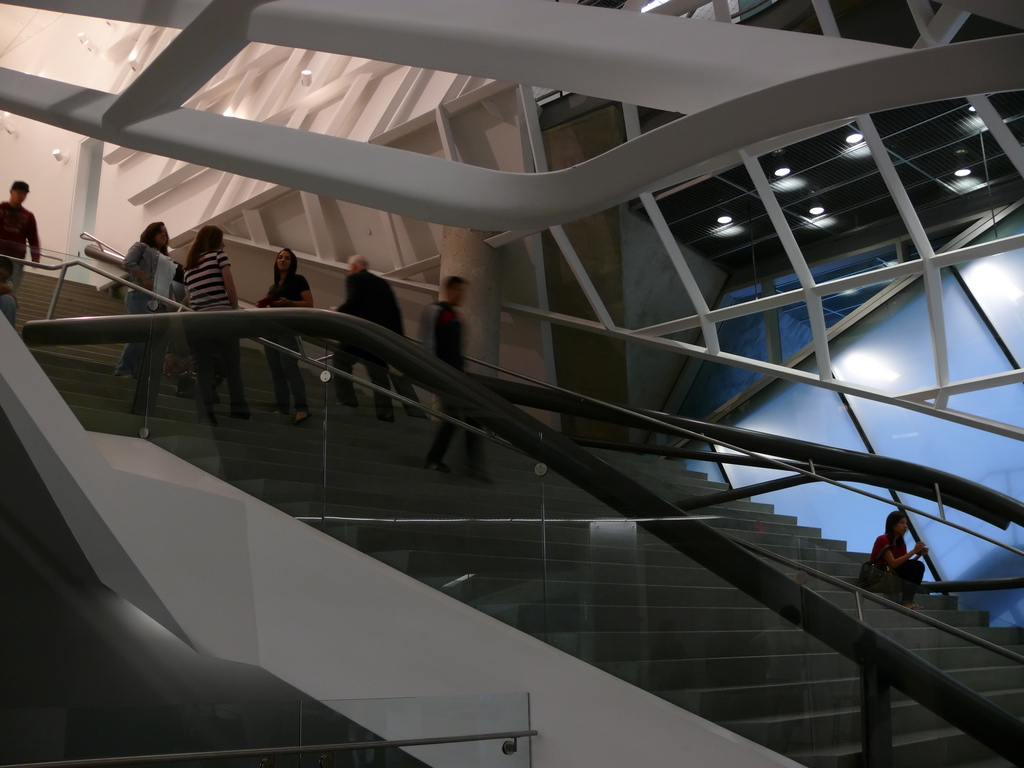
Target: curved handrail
(946,697)
(978,500)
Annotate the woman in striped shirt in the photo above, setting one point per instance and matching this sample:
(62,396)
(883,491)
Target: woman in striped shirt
(211,289)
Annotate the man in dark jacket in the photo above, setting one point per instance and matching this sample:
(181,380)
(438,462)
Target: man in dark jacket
(371,298)
(18,226)
(441,334)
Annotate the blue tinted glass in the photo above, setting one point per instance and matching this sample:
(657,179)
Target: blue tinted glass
(880,355)
(997,283)
(816,415)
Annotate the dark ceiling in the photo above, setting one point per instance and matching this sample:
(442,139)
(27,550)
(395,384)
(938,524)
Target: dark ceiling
(928,143)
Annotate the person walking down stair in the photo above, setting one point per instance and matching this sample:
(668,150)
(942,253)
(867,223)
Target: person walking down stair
(8,301)
(370,297)
(18,226)
(143,261)
(290,289)
(211,288)
(441,334)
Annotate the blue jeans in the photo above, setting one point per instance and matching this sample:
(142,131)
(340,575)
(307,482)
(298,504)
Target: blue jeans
(128,365)
(9,307)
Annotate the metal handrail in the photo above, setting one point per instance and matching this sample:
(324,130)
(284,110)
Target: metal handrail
(669,424)
(101,762)
(885,602)
(999,510)
(877,654)
(267,342)
(660,421)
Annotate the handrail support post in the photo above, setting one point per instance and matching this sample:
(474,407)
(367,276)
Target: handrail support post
(876,717)
(56,291)
(938,499)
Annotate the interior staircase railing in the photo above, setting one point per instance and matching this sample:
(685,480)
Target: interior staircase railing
(883,663)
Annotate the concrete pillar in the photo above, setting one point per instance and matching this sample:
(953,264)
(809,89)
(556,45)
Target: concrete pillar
(464,253)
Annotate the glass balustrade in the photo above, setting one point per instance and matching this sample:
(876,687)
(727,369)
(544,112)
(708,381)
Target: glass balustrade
(505,532)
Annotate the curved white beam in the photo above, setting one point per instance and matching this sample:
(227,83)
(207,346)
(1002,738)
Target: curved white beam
(669,63)
(432,189)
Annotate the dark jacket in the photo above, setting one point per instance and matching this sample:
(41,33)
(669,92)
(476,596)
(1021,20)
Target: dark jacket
(371,298)
(441,333)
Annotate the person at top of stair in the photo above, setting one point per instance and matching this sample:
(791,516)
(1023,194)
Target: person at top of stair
(211,288)
(906,565)
(441,334)
(143,261)
(289,289)
(18,226)
(8,301)
(370,297)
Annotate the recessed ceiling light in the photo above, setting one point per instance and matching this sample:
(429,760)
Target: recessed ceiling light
(855,138)
(962,172)
(725,219)
(783,171)
(817,210)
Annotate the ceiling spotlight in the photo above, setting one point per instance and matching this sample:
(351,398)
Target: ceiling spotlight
(971,108)
(817,210)
(82,38)
(962,172)
(306,77)
(783,171)
(725,219)
(855,138)
(60,157)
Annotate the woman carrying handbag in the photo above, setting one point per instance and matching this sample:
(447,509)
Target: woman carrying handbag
(890,551)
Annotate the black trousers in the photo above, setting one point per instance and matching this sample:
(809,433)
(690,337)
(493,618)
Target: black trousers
(911,573)
(443,437)
(377,371)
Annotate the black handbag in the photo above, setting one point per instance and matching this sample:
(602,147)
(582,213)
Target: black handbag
(878,579)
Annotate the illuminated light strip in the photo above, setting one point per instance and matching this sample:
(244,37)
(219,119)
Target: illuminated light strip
(339,519)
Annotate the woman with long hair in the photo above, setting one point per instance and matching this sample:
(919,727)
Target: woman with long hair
(141,264)
(211,288)
(290,289)
(892,549)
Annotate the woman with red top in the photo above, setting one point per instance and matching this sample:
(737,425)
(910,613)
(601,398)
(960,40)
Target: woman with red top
(893,551)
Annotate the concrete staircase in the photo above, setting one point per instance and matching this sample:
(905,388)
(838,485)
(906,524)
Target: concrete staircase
(582,580)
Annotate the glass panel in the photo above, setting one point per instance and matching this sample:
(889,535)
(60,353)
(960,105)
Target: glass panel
(337,722)
(997,284)
(919,736)
(78,733)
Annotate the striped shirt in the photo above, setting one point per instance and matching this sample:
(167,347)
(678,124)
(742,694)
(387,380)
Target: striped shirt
(205,283)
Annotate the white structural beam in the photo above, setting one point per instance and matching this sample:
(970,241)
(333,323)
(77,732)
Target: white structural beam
(444,129)
(939,28)
(1009,12)
(560,45)
(999,131)
(668,242)
(461,195)
(815,313)
(198,53)
(416,268)
(257,229)
(580,273)
(931,270)
(851,282)
(778,371)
